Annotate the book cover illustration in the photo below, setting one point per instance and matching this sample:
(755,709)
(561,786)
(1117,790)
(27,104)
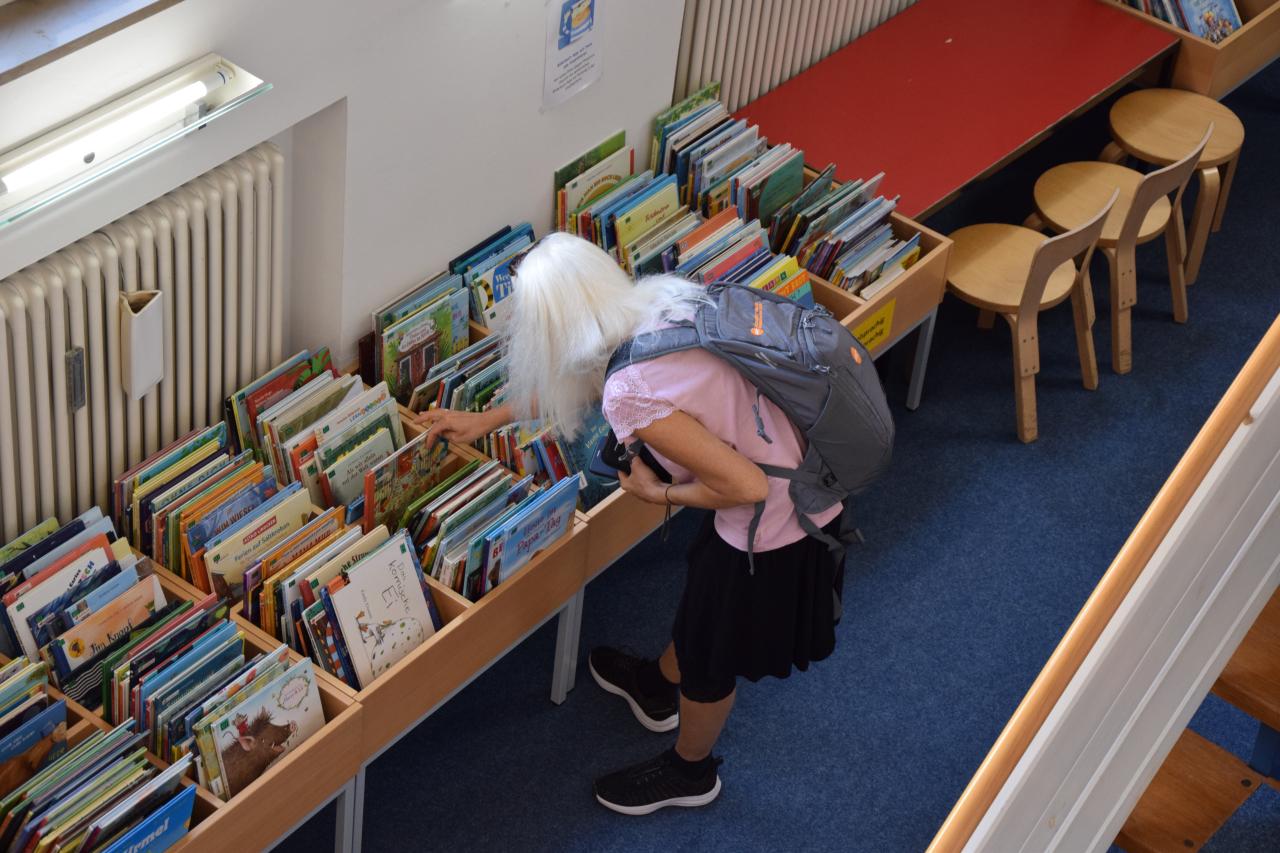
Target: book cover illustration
(267,727)
(227,561)
(446,317)
(1214,20)
(261,398)
(394,483)
(545,519)
(589,158)
(382,611)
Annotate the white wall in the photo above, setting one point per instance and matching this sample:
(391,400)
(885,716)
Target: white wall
(444,136)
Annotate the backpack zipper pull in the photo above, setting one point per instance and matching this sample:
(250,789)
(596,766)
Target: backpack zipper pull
(755,407)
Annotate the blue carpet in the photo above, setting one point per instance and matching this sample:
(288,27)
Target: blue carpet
(980,551)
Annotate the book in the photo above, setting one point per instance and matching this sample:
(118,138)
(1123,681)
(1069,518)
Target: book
(580,164)
(541,520)
(595,182)
(267,726)
(35,739)
(662,120)
(1213,20)
(91,637)
(392,484)
(344,479)
(413,345)
(383,611)
(227,560)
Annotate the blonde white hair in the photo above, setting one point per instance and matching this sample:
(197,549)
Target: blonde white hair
(573,306)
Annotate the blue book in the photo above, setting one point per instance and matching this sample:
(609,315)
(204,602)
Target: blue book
(456,265)
(26,742)
(96,598)
(162,830)
(487,252)
(344,656)
(51,542)
(1210,19)
(265,507)
(230,514)
(581,450)
(541,520)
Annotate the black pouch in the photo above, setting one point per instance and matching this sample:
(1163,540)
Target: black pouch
(612,456)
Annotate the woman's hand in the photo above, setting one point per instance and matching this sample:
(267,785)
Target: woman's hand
(455,426)
(643,483)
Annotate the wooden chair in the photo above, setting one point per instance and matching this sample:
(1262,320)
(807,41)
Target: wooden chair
(1157,126)
(1070,194)
(1017,272)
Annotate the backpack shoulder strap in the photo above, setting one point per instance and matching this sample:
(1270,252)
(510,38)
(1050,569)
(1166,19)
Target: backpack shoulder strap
(650,345)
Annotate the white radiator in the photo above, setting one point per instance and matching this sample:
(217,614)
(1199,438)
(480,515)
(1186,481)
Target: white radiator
(751,46)
(215,248)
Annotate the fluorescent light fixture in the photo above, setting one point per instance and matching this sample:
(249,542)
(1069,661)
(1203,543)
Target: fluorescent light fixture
(67,157)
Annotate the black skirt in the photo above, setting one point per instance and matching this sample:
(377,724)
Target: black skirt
(734,623)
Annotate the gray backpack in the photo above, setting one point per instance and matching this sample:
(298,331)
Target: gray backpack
(814,370)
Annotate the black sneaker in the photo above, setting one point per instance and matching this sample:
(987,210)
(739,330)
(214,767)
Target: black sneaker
(656,784)
(618,673)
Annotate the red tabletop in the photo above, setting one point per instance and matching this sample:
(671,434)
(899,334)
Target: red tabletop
(947,89)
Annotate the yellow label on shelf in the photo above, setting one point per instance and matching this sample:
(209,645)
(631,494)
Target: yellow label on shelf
(874,330)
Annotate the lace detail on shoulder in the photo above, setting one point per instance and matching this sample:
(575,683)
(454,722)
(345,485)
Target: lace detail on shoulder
(629,403)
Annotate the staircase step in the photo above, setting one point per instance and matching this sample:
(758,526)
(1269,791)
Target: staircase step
(1199,786)
(1251,680)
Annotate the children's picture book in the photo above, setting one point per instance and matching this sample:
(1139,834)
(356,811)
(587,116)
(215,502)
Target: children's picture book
(1214,20)
(267,726)
(383,611)
(345,477)
(227,560)
(412,346)
(544,518)
(392,484)
(92,636)
(33,739)
(674,113)
(156,827)
(578,166)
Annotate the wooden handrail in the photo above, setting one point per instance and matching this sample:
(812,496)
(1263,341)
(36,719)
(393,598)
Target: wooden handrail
(1232,411)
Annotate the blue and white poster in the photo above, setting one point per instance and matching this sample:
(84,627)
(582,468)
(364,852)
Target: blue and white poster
(573,61)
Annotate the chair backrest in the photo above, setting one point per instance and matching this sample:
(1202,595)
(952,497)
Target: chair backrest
(1074,245)
(1172,178)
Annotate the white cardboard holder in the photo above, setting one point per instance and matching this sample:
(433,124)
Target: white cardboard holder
(141,341)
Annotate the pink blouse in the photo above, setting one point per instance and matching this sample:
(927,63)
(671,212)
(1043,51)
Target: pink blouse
(718,397)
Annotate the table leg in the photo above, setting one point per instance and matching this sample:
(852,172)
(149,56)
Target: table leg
(924,342)
(1228,170)
(345,834)
(567,638)
(1201,220)
(357,823)
(1113,153)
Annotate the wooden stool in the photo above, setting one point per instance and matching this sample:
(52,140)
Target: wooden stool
(1017,273)
(1158,126)
(1072,193)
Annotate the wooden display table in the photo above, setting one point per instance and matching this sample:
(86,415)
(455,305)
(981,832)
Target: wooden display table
(1215,69)
(318,771)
